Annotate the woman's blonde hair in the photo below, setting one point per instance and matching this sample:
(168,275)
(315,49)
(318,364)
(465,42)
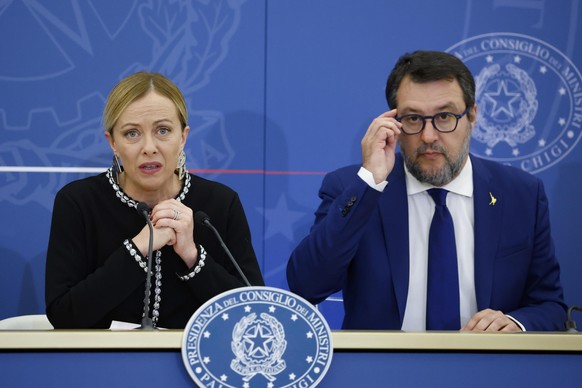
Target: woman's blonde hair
(135,87)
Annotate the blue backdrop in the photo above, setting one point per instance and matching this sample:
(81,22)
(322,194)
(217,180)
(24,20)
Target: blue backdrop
(280,92)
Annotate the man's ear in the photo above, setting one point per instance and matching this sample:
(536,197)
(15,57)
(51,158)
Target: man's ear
(474,114)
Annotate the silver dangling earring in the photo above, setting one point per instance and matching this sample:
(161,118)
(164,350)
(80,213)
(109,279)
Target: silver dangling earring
(116,168)
(181,167)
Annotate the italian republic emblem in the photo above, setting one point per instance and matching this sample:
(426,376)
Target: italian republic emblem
(528,99)
(257,337)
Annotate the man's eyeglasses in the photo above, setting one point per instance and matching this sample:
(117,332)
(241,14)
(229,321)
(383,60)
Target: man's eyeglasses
(442,122)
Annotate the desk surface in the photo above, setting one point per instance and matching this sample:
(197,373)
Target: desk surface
(342,340)
(362,358)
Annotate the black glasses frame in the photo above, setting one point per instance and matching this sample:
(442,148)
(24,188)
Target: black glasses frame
(424,118)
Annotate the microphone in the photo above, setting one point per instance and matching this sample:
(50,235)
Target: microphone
(146,320)
(570,323)
(202,218)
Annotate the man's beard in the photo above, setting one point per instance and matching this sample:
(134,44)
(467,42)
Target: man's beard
(452,168)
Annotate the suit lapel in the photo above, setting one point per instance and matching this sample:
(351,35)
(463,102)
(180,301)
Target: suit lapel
(394,220)
(488,212)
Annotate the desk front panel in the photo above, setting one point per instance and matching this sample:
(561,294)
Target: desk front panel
(143,368)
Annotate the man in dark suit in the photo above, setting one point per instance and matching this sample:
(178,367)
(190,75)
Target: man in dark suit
(370,238)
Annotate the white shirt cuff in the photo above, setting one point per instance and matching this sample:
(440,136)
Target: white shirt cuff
(518,323)
(369,179)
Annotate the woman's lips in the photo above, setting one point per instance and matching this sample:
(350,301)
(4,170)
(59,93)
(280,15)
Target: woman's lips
(150,168)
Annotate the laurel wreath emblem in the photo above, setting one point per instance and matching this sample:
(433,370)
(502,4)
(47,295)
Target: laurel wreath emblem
(269,364)
(518,129)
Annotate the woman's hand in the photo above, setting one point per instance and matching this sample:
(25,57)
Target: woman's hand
(179,218)
(162,237)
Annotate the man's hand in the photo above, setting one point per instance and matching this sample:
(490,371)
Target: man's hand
(491,320)
(379,145)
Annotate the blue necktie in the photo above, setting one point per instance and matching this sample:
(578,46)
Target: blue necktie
(442,300)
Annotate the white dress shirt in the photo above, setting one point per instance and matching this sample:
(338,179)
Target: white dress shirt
(420,211)
(421,208)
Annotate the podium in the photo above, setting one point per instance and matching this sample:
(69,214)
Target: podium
(97,358)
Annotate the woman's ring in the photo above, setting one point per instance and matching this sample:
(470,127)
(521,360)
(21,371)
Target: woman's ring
(176,215)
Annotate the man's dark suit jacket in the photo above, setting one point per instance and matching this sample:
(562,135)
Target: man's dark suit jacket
(359,244)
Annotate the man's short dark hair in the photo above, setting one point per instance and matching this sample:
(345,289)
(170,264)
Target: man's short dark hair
(427,66)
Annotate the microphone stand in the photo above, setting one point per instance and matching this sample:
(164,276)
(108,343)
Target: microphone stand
(202,218)
(570,323)
(146,320)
